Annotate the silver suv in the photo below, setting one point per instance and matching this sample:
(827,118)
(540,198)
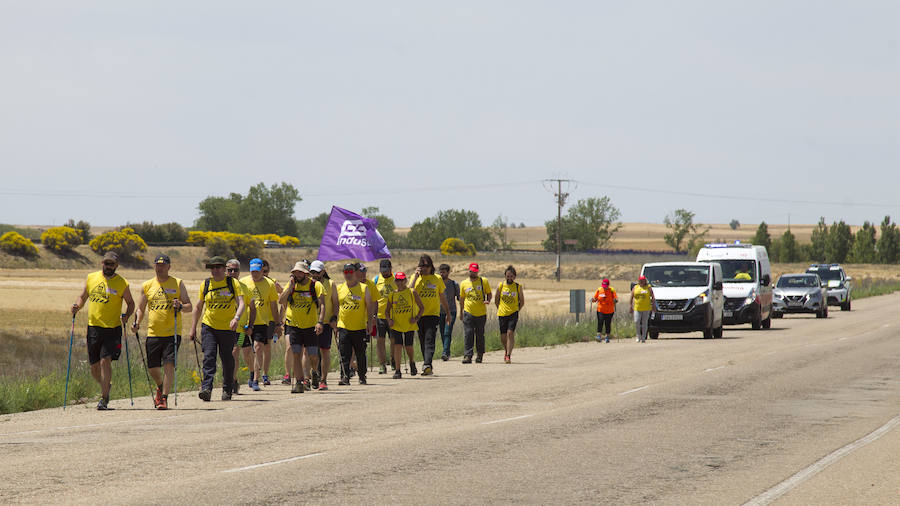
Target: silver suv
(800,293)
(837,281)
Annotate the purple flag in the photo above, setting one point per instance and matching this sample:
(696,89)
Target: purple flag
(349,235)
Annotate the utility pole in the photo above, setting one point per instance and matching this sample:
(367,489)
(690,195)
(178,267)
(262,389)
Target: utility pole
(560,202)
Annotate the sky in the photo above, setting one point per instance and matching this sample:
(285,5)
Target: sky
(783,110)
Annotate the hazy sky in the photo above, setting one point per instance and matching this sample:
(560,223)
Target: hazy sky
(128,111)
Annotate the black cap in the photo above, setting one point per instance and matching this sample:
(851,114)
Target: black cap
(214,261)
(385,263)
(350,267)
(163,259)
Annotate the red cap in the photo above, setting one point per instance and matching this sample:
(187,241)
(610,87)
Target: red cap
(605,282)
(642,278)
(473,267)
(399,275)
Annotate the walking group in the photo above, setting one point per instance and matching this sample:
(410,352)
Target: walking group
(244,316)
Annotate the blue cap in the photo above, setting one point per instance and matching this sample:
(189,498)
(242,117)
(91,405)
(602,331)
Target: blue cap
(255,265)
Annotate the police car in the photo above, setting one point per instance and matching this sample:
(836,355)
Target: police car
(837,281)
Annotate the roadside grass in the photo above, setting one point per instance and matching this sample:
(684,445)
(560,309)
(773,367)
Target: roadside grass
(871,287)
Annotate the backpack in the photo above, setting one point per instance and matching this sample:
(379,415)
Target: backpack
(228,280)
(312,292)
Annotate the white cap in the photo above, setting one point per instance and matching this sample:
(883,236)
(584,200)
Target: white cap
(317,266)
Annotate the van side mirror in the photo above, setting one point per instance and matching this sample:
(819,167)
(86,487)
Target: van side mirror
(717,285)
(766,280)
(848,278)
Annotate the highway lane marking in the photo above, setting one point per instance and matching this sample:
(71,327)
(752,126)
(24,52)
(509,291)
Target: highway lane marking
(785,486)
(711,369)
(506,419)
(842,338)
(273,463)
(633,390)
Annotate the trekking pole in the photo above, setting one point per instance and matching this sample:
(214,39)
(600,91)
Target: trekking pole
(144,360)
(127,360)
(175,359)
(69,363)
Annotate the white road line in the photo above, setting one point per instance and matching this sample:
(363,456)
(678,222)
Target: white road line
(841,338)
(633,390)
(784,487)
(506,419)
(711,369)
(266,464)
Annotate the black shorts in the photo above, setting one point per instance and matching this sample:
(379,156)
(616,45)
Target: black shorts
(103,342)
(160,350)
(402,338)
(381,325)
(509,322)
(261,334)
(243,340)
(325,337)
(303,338)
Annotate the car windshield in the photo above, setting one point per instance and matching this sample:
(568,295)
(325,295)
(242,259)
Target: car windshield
(827,274)
(677,275)
(738,271)
(797,282)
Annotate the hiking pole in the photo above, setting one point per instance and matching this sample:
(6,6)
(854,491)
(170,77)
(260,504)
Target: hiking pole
(69,363)
(144,360)
(175,359)
(127,360)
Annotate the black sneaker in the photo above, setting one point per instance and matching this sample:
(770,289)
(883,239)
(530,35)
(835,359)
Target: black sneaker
(412,369)
(352,372)
(237,388)
(344,381)
(204,395)
(297,388)
(362,380)
(445,357)
(315,379)
(426,371)
(479,359)
(226,396)
(467,359)
(103,405)
(383,369)
(397,375)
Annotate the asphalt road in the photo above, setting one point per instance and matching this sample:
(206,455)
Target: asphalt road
(678,421)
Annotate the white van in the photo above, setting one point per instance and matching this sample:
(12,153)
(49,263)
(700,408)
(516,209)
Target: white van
(688,297)
(748,282)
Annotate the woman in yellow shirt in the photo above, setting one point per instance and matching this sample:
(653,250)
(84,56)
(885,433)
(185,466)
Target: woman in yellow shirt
(403,309)
(642,302)
(510,298)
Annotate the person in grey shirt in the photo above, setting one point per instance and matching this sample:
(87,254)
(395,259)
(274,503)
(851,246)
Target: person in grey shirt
(451,293)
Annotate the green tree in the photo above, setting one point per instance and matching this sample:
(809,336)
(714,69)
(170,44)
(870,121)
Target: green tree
(385,227)
(888,245)
(310,230)
(82,226)
(684,234)
(762,237)
(500,228)
(863,249)
(785,248)
(815,250)
(591,222)
(735,224)
(163,232)
(837,244)
(466,225)
(264,210)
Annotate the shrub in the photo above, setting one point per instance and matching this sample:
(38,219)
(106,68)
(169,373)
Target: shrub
(284,240)
(198,237)
(218,246)
(83,227)
(124,242)
(164,232)
(454,246)
(61,239)
(15,243)
(245,246)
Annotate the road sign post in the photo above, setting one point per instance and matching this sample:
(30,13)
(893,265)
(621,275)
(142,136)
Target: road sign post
(576,303)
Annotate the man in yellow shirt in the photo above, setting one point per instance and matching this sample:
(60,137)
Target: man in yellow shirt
(243,343)
(161,298)
(430,288)
(106,290)
(385,285)
(355,319)
(321,364)
(220,306)
(265,299)
(474,295)
(304,321)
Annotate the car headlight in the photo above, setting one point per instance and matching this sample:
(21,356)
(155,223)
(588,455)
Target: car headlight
(703,298)
(750,299)
(779,296)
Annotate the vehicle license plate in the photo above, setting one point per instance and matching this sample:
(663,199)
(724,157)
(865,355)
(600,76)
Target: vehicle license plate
(672,317)
(728,314)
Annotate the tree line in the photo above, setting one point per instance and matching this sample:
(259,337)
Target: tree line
(835,244)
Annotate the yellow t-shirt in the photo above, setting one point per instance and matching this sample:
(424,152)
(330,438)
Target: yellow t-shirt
(328,286)
(262,293)
(641,298)
(220,305)
(743,275)
(105,297)
(474,295)
(302,311)
(160,314)
(403,307)
(384,287)
(509,298)
(430,287)
(352,307)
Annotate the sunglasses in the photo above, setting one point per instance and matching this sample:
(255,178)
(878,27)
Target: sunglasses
(233,269)
(349,272)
